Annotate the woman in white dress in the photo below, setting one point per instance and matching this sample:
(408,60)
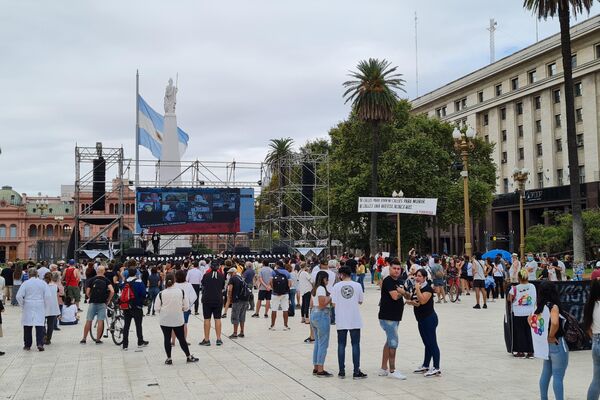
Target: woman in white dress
(33,296)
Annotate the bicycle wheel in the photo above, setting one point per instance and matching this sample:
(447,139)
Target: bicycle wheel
(116,330)
(94,327)
(453,293)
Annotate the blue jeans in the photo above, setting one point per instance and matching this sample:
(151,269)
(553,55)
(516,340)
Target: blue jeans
(293,299)
(427,327)
(342,336)
(361,280)
(353,277)
(594,389)
(319,322)
(152,293)
(555,368)
(13,297)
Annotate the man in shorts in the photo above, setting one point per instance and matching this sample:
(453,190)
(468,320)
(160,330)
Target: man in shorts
(100,291)
(213,283)
(265,275)
(281,283)
(391,308)
(72,279)
(239,306)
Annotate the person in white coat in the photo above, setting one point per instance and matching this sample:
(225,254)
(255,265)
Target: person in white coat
(33,296)
(52,308)
(190,295)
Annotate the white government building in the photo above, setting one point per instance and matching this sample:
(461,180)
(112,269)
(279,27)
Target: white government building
(517,103)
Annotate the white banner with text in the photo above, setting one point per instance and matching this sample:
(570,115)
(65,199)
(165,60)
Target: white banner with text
(397,205)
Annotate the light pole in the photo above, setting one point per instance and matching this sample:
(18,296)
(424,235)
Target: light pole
(463,143)
(42,205)
(398,194)
(520,176)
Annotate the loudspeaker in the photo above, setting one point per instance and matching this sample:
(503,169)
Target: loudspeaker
(308,182)
(99,185)
(135,252)
(183,251)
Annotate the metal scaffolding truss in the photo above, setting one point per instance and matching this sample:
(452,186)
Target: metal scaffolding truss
(84,181)
(282,197)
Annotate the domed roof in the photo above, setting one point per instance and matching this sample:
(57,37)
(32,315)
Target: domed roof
(9,196)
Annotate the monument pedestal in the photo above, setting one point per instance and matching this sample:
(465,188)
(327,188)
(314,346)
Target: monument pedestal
(170,170)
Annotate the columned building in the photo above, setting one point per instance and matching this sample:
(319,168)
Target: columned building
(518,104)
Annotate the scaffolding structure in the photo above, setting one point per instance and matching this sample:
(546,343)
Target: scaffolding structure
(84,182)
(283,194)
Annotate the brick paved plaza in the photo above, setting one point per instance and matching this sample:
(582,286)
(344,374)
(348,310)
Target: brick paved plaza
(277,365)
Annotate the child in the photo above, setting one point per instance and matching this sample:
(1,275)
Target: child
(69,313)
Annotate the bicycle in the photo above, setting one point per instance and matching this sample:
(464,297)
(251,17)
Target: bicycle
(453,289)
(114,323)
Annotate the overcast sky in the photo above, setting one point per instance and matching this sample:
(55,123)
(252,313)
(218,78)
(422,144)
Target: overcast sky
(248,71)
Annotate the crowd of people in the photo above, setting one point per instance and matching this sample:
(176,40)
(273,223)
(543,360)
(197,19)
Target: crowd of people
(327,292)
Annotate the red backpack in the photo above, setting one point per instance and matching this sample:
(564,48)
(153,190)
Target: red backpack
(126,297)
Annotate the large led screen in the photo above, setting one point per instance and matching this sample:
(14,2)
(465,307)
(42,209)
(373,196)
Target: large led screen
(195,210)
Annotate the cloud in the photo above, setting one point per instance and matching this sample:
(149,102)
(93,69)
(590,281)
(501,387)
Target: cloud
(248,71)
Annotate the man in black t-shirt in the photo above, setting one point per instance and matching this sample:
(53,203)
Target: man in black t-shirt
(99,290)
(352,263)
(213,283)
(238,306)
(7,274)
(391,308)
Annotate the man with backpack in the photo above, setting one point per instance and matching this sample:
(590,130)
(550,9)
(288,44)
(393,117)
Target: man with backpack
(281,283)
(100,291)
(238,293)
(131,302)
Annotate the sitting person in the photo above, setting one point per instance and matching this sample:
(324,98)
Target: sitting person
(69,313)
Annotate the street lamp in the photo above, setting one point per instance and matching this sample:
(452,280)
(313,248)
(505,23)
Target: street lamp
(520,176)
(463,143)
(42,205)
(398,194)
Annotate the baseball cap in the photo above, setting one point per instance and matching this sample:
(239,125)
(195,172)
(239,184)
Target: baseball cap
(71,262)
(231,270)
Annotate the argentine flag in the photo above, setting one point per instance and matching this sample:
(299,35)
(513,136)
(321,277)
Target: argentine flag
(151,130)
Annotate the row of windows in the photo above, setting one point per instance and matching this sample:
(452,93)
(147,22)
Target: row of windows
(540,151)
(541,178)
(112,208)
(48,230)
(12,230)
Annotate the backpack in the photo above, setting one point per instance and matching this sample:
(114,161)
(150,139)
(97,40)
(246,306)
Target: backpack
(573,334)
(99,290)
(127,297)
(245,292)
(280,284)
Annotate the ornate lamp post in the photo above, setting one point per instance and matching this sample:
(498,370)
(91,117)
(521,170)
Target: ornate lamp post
(398,194)
(463,143)
(520,176)
(42,205)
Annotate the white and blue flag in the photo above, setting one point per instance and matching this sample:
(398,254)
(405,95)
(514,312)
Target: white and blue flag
(151,130)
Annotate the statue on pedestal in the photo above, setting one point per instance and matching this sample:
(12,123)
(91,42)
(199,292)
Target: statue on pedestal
(170,97)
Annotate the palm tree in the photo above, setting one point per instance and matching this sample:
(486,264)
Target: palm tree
(279,150)
(545,9)
(373,99)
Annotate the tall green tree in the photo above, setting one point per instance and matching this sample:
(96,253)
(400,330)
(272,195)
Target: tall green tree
(373,98)
(564,9)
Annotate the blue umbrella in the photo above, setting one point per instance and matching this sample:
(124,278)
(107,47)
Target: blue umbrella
(502,253)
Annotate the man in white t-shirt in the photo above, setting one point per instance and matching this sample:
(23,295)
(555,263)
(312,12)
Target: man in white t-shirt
(531,267)
(346,297)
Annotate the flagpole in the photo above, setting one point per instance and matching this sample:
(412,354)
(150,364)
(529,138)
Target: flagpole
(137,139)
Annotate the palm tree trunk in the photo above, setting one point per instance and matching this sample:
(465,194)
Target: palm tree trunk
(565,39)
(374,184)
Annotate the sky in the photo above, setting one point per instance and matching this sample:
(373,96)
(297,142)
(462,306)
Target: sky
(248,71)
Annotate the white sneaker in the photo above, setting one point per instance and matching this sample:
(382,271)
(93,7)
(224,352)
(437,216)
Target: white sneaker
(433,372)
(382,372)
(398,375)
(420,370)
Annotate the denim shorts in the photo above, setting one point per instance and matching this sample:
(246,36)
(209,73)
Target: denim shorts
(96,309)
(391,332)
(186,316)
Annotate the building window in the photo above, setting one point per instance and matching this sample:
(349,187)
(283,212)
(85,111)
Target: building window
(486,120)
(12,231)
(538,102)
(505,184)
(581,174)
(480,97)
(49,231)
(463,103)
(540,180)
(551,69)
(532,76)
(557,120)
(111,207)
(2,231)
(519,108)
(504,135)
(538,126)
(559,177)
(444,111)
(580,140)
(597,50)
(578,89)
(86,231)
(499,89)
(504,157)
(579,115)
(32,231)
(521,153)
(514,83)
(520,130)
(558,143)
(540,152)
(556,96)
(503,113)
(573,60)
(457,105)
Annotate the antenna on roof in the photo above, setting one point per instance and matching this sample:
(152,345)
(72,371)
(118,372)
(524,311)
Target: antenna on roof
(492,29)
(416,57)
